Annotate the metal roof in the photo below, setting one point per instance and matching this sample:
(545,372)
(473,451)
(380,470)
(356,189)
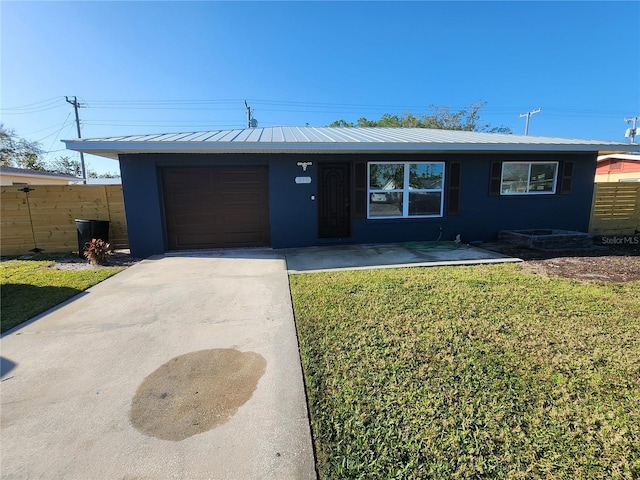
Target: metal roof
(333,140)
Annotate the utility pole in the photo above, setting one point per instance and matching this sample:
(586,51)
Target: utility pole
(251,121)
(248,114)
(528,115)
(77,105)
(631,132)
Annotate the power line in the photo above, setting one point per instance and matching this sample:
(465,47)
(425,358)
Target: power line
(31,105)
(51,127)
(31,112)
(286,106)
(64,124)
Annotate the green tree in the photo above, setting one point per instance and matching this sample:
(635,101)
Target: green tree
(66,166)
(18,152)
(437,117)
(71,166)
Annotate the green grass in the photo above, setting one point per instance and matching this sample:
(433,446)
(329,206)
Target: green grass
(30,287)
(470,372)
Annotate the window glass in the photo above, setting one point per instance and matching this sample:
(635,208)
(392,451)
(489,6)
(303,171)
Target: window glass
(386,176)
(424,203)
(423,176)
(385,204)
(528,177)
(542,177)
(405,189)
(514,177)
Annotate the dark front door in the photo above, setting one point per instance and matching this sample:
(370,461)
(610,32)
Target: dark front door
(334,219)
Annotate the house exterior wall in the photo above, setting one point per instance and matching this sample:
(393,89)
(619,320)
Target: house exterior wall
(481,215)
(615,170)
(294,205)
(143,205)
(7,179)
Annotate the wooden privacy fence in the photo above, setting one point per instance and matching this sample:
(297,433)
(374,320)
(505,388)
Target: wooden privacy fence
(615,209)
(43,216)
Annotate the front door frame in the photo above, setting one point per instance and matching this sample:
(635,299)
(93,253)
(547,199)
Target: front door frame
(334,199)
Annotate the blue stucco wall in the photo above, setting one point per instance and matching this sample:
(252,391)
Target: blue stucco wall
(143,205)
(294,206)
(294,217)
(482,215)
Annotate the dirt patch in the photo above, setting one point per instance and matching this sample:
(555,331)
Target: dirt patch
(195,392)
(608,264)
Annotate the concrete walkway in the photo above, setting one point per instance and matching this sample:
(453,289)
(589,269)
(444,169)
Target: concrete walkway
(81,377)
(390,255)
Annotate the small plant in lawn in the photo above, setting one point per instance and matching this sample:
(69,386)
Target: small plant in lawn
(97,251)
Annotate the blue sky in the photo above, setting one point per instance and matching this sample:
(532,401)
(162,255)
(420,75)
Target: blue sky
(150,67)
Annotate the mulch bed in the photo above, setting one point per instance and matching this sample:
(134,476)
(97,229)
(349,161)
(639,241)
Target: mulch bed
(608,264)
(119,258)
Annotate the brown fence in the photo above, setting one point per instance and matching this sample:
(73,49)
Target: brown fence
(43,216)
(615,209)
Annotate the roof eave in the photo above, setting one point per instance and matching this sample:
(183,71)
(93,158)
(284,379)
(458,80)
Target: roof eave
(114,149)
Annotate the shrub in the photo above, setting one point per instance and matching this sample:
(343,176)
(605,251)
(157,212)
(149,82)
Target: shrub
(97,251)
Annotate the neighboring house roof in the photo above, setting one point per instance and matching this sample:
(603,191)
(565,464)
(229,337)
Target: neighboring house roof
(34,173)
(620,156)
(333,140)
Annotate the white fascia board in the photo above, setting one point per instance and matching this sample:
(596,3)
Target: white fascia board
(113,149)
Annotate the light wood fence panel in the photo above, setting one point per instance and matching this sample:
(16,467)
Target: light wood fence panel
(44,217)
(615,209)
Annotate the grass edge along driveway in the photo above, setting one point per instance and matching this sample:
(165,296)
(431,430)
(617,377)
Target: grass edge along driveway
(30,287)
(470,372)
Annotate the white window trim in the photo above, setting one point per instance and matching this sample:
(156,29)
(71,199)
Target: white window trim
(405,191)
(555,179)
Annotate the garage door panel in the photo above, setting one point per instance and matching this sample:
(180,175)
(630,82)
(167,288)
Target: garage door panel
(242,199)
(196,240)
(188,179)
(246,239)
(196,220)
(216,207)
(242,177)
(188,201)
(242,220)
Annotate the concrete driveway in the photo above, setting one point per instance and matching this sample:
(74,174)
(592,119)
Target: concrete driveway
(117,382)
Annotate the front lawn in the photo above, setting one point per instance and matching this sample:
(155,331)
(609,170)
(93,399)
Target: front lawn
(470,372)
(30,287)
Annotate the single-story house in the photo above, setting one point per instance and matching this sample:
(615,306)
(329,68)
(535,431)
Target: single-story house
(305,186)
(618,167)
(25,176)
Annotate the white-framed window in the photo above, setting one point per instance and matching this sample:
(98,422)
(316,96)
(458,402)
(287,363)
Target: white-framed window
(405,189)
(528,178)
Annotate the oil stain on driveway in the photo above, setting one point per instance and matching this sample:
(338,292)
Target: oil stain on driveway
(183,366)
(195,392)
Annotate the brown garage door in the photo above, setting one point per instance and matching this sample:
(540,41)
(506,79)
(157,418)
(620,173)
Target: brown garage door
(216,207)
